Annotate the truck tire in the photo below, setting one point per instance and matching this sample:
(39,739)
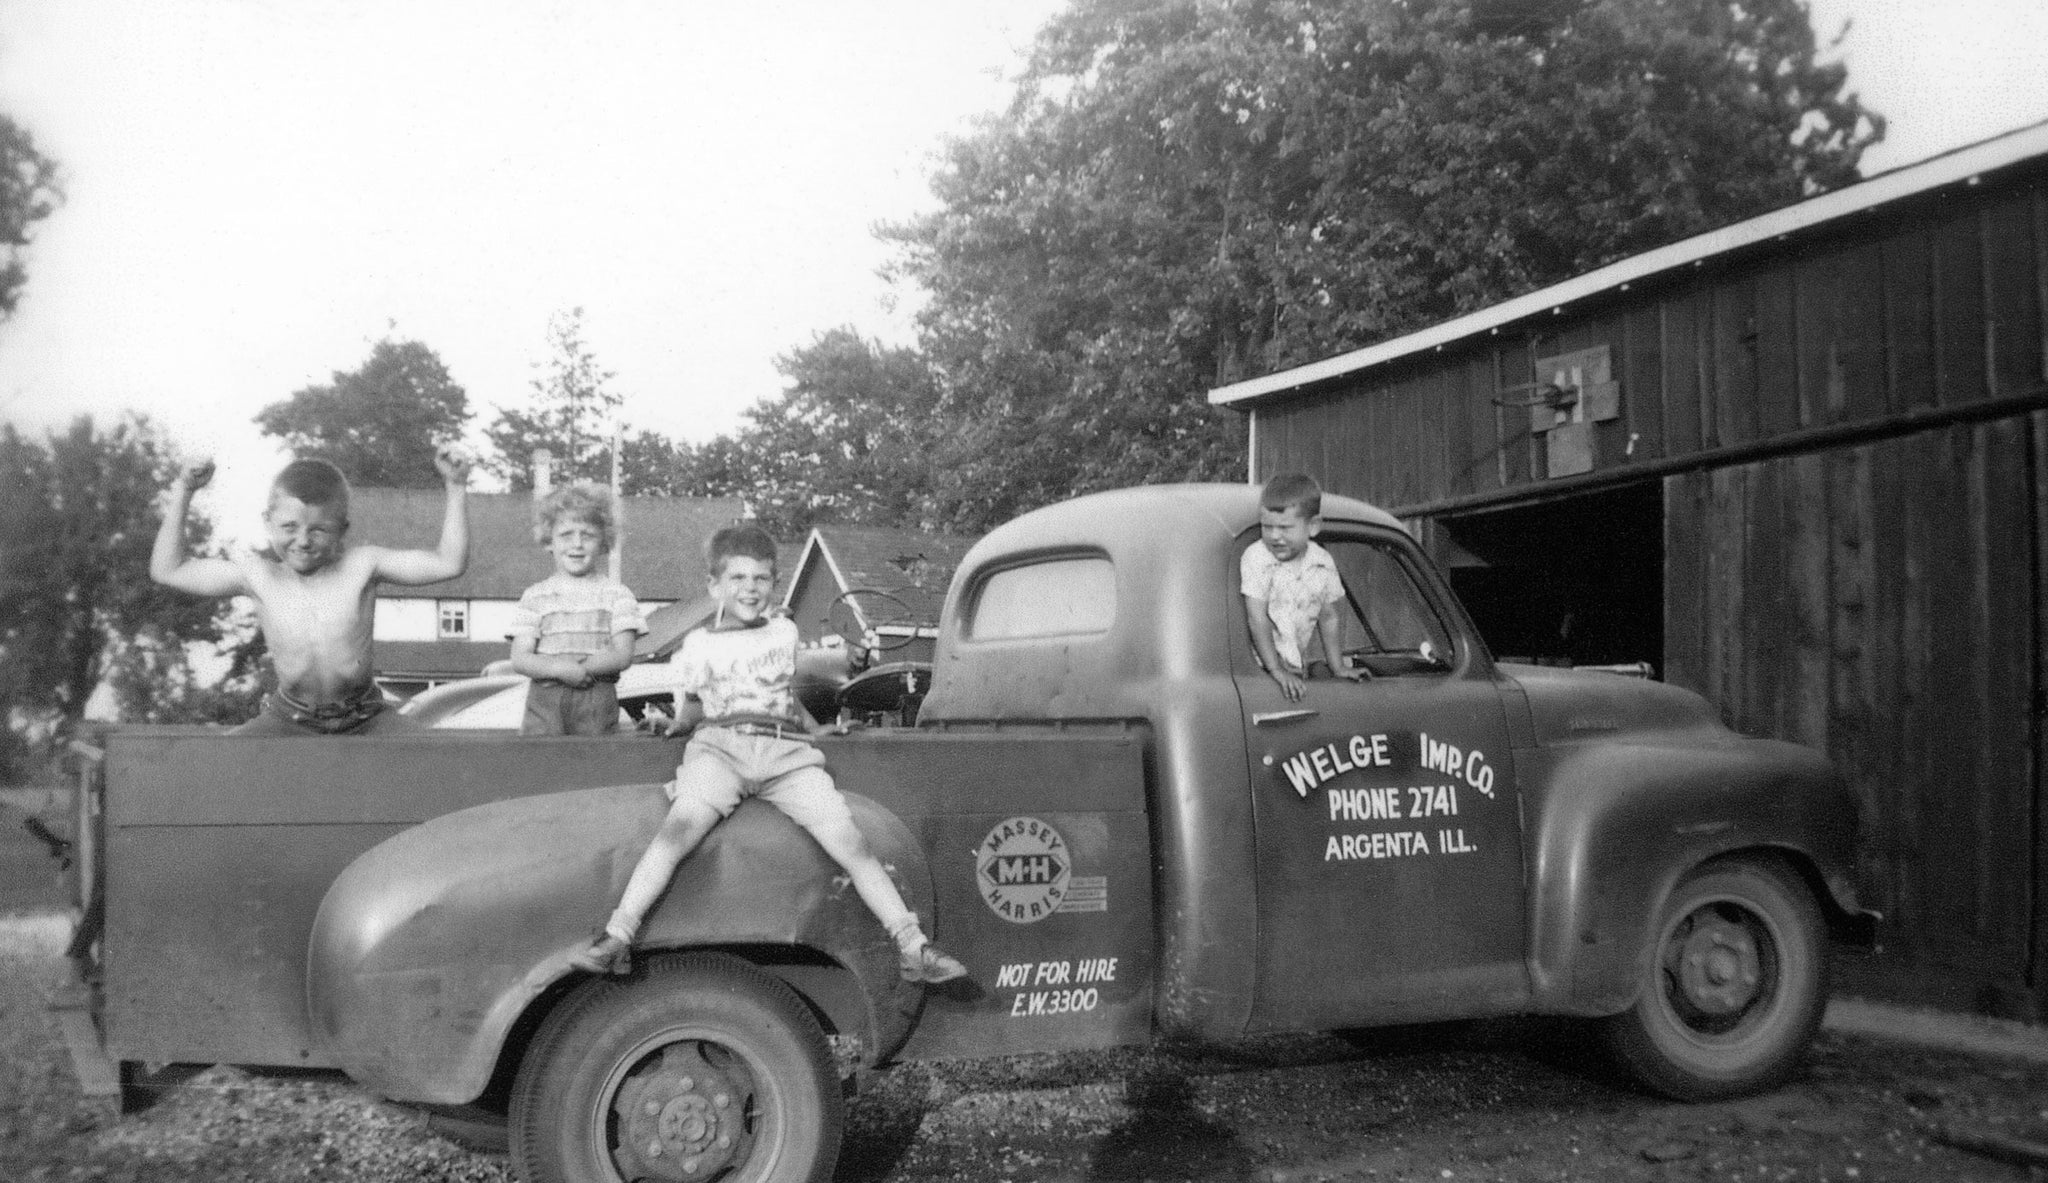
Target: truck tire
(699,1068)
(1734,984)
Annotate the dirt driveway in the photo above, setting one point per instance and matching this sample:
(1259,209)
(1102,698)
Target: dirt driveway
(1510,1101)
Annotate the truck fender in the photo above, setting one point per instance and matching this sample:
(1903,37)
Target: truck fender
(431,946)
(1615,825)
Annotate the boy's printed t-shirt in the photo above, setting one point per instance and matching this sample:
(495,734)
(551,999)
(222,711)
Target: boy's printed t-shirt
(572,617)
(741,671)
(1295,593)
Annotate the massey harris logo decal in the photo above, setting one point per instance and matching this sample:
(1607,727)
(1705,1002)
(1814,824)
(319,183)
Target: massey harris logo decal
(1023,870)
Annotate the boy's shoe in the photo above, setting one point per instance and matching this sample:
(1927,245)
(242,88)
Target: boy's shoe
(604,954)
(931,964)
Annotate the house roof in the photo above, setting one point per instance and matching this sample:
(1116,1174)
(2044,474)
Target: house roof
(663,540)
(914,566)
(1965,166)
(667,625)
(433,659)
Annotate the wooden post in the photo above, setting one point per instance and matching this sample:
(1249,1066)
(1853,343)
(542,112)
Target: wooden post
(616,559)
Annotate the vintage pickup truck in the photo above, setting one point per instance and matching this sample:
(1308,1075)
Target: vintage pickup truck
(1106,809)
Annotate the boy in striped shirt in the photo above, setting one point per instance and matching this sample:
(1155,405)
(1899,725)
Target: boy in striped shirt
(573,631)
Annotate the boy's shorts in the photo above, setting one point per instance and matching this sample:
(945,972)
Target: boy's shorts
(556,708)
(723,767)
(364,713)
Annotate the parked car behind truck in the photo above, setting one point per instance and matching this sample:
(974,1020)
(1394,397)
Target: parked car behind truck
(1107,809)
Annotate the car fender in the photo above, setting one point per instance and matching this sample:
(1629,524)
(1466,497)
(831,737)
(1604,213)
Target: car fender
(429,948)
(1614,824)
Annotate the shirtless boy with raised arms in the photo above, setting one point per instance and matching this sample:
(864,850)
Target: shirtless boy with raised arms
(315,595)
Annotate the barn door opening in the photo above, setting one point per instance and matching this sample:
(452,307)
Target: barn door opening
(1576,580)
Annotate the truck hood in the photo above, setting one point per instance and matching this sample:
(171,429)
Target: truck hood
(1569,705)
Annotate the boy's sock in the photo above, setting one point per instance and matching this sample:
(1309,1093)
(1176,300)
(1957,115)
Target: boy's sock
(909,935)
(605,953)
(919,959)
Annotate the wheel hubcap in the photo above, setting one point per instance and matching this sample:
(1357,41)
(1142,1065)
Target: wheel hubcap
(1719,969)
(685,1113)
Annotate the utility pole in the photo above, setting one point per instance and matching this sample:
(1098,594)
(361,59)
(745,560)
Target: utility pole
(617,558)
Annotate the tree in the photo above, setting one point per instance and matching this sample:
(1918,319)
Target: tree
(572,415)
(719,467)
(77,519)
(154,679)
(28,194)
(849,439)
(1186,192)
(379,423)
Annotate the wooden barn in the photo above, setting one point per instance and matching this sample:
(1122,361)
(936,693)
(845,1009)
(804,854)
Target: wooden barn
(1795,464)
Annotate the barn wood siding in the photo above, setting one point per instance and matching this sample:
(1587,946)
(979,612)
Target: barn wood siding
(1878,602)
(2038,425)
(1888,317)
(1849,426)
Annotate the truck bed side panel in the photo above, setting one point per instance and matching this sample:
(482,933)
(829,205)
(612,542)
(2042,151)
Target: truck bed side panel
(1041,869)
(221,847)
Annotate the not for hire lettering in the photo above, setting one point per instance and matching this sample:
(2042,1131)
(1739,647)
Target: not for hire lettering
(1306,770)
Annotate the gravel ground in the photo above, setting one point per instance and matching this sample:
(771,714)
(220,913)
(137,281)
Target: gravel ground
(1495,1101)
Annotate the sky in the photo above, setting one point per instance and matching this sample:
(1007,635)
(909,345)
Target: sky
(259,190)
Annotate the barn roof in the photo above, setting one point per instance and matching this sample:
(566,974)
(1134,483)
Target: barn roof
(1965,166)
(914,566)
(433,659)
(663,547)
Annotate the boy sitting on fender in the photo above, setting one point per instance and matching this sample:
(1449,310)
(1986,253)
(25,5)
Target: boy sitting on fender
(751,738)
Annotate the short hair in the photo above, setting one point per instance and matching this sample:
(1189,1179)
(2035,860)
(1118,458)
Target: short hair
(744,539)
(583,501)
(315,482)
(1293,490)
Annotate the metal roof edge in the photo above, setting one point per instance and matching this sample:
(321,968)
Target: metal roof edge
(1961,164)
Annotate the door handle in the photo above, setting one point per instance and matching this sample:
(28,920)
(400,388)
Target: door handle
(1276,718)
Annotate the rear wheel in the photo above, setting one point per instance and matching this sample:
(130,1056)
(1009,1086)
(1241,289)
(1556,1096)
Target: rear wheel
(1734,988)
(700,1069)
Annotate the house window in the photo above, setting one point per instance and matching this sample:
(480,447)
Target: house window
(455,618)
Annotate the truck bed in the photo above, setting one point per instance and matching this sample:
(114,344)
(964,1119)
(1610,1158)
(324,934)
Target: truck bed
(219,849)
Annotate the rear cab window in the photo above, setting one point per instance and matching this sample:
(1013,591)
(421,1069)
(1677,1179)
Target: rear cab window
(1058,596)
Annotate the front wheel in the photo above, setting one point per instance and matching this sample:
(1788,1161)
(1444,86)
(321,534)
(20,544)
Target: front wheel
(701,1069)
(1733,987)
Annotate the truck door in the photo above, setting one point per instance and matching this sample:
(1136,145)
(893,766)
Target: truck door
(1388,828)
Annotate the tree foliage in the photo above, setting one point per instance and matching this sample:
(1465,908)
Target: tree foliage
(379,423)
(1188,192)
(849,439)
(572,413)
(78,515)
(28,194)
(154,679)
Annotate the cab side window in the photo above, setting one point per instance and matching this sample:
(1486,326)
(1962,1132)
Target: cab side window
(1387,623)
